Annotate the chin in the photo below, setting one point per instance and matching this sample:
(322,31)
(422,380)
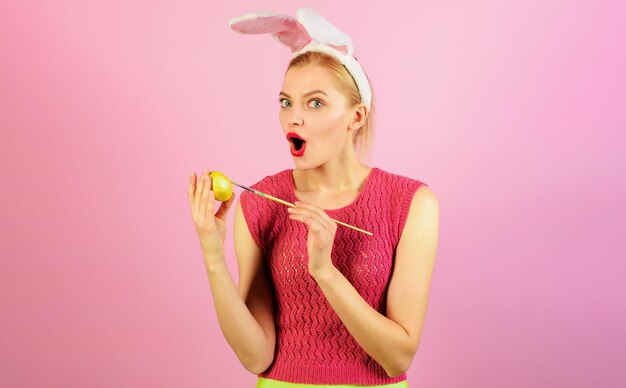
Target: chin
(305,165)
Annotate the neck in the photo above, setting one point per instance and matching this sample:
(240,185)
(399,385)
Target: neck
(336,175)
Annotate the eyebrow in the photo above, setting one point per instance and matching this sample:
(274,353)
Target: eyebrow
(306,94)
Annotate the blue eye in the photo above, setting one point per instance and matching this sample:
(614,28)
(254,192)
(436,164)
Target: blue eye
(284,103)
(319,103)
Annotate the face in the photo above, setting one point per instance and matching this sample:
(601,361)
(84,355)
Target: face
(314,116)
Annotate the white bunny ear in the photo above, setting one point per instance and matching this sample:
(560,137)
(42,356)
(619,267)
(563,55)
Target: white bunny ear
(307,32)
(284,28)
(323,31)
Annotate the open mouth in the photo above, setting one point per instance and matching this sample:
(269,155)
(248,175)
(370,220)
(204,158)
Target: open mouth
(298,144)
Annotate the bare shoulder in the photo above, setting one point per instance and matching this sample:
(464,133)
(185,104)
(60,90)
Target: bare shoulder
(421,230)
(424,206)
(425,196)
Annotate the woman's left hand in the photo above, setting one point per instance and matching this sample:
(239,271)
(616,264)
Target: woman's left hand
(321,235)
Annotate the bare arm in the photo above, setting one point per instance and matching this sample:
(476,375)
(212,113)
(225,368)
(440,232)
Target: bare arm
(256,291)
(408,291)
(245,313)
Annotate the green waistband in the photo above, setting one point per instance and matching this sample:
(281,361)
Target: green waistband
(268,383)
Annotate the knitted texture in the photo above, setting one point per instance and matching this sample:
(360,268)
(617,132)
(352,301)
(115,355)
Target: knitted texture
(312,344)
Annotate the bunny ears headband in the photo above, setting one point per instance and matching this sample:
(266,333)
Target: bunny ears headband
(308,31)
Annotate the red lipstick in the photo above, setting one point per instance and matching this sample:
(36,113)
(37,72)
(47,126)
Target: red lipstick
(298,144)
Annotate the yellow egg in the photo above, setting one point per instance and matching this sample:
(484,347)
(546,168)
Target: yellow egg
(222,187)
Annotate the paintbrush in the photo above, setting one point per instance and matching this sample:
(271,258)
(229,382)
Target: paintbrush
(272,198)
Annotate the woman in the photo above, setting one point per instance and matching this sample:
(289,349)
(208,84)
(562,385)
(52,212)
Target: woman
(317,303)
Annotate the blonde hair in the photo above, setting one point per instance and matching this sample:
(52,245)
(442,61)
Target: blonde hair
(346,85)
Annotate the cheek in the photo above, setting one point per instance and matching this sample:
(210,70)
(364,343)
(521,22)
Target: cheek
(282,120)
(335,127)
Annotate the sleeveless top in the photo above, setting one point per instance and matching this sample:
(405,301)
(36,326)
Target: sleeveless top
(312,344)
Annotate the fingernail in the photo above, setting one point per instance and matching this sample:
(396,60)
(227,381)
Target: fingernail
(298,203)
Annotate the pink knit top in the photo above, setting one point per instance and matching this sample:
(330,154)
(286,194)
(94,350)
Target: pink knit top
(312,344)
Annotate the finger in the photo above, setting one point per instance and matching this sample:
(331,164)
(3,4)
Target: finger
(210,206)
(316,226)
(222,212)
(197,195)
(316,209)
(201,194)
(309,220)
(207,199)
(325,222)
(299,217)
(191,190)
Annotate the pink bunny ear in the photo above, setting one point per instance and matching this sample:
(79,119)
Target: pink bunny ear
(324,31)
(282,27)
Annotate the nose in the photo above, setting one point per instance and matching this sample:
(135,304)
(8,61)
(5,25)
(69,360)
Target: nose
(295,117)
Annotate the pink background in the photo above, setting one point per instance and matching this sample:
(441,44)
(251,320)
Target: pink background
(512,111)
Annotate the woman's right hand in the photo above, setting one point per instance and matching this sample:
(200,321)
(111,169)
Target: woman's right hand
(211,228)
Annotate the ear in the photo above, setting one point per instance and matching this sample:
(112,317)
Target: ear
(284,28)
(323,31)
(359,116)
